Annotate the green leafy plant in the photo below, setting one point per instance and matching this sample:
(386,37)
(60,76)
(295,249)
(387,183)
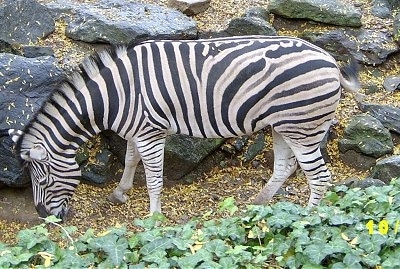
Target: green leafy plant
(352,228)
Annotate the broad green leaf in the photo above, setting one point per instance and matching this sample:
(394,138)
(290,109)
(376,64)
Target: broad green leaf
(157,256)
(371,259)
(317,252)
(156,246)
(371,243)
(228,204)
(114,246)
(217,247)
(352,261)
(340,219)
(227,263)
(390,259)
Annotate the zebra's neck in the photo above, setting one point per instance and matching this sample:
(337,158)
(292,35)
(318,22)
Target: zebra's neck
(100,97)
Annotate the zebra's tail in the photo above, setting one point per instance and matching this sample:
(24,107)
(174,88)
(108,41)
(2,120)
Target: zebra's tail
(350,81)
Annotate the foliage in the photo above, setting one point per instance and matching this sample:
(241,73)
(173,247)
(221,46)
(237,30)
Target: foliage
(352,228)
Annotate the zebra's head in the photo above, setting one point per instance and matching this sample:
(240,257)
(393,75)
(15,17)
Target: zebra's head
(54,176)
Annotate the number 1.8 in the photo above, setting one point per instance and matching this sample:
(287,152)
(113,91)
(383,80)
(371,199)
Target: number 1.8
(383,227)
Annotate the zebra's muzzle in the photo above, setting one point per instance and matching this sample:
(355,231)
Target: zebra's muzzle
(43,213)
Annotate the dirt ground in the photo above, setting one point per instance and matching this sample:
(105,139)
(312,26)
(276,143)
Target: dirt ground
(183,201)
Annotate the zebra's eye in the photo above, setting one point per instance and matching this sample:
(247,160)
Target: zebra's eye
(40,172)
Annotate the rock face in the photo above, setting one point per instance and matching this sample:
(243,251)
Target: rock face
(363,45)
(253,22)
(387,115)
(121,22)
(330,12)
(366,135)
(386,169)
(25,84)
(24,21)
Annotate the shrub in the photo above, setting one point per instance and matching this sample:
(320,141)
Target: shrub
(352,228)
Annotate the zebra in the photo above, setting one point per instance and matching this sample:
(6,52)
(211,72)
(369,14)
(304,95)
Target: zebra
(207,88)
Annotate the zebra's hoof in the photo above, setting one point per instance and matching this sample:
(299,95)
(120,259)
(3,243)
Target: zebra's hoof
(117,199)
(260,200)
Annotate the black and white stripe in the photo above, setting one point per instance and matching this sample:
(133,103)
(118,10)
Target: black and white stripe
(205,88)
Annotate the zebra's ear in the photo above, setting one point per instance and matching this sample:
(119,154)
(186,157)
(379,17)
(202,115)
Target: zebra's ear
(38,152)
(15,134)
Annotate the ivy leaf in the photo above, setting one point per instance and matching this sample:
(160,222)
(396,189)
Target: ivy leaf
(352,261)
(217,247)
(156,245)
(340,219)
(371,243)
(228,204)
(150,222)
(157,256)
(391,259)
(114,246)
(317,252)
(371,259)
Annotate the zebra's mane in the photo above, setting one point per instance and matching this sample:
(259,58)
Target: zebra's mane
(71,83)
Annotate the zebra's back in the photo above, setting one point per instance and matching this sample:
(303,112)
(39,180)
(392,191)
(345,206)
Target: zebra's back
(233,86)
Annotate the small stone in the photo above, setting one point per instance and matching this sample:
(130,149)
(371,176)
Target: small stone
(190,7)
(391,83)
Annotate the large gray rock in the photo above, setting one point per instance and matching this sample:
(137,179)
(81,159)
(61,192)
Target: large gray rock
(182,153)
(25,84)
(253,22)
(388,115)
(381,9)
(363,45)
(24,21)
(121,22)
(366,135)
(330,12)
(387,168)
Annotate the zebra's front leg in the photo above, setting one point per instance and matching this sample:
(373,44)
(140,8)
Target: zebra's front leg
(151,148)
(132,158)
(285,164)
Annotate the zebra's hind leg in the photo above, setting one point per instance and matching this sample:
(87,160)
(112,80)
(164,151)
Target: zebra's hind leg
(285,164)
(132,158)
(316,171)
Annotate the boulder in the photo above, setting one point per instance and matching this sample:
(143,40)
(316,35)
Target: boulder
(190,7)
(255,148)
(391,83)
(253,22)
(330,12)
(387,168)
(24,21)
(182,153)
(388,115)
(122,22)
(361,183)
(363,45)
(357,160)
(25,84)
(366,135)
(381,9)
